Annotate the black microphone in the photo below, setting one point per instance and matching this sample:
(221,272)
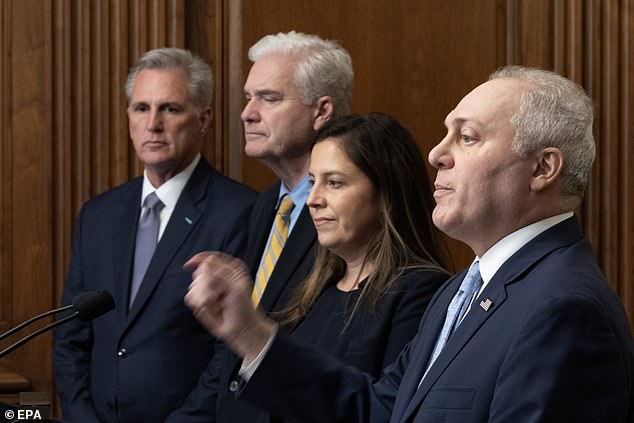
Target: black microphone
(91,305)
(86,306)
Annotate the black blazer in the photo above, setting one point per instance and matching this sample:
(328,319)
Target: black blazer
(550,343)
(211,401)
(371,341)
(138,365)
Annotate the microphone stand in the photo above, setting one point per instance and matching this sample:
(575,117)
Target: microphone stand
(37,332)
(34,319)
(87,307)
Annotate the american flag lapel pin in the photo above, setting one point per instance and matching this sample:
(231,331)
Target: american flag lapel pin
(486,304)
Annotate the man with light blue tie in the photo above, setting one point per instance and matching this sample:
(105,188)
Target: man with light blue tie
(532,333)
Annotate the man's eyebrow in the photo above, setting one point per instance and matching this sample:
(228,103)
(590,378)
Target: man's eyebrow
(160,104)
(263,92)
(170,103)
(450,120)
(459,121)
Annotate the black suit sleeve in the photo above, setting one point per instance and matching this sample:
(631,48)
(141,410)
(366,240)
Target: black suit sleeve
(317,387)
(295,382)
(200,405)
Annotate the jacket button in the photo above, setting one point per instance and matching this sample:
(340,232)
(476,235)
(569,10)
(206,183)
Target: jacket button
(122,353)
(233,386)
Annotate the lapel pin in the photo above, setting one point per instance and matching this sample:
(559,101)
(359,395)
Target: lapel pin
(486,304)
(188,220)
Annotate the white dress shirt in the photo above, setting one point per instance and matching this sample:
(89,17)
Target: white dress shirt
(168,192)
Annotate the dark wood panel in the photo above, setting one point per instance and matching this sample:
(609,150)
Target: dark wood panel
(626,164)
(30,176)
(6,266)
(204,36)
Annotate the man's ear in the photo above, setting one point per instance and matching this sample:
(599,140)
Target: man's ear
(323,111)
(205,121)
(549,165)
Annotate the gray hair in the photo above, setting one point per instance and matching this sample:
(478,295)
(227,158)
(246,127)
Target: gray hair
(199,76)
(324,68)
(554,112)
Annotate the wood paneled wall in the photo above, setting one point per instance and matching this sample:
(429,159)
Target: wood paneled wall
(64,134)
(26,163)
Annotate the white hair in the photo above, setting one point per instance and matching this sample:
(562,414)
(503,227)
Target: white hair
(324,67)
(554,112)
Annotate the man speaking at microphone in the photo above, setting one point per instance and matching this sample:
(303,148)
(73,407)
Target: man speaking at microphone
(138,363)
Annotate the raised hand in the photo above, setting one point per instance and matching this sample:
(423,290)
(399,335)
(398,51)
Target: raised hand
(219,297)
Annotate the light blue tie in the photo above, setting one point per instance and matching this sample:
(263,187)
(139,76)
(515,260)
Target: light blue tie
(457,309)
(146,238)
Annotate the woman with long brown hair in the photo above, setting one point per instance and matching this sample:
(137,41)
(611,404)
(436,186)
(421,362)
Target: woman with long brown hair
(380,257)
(379,260)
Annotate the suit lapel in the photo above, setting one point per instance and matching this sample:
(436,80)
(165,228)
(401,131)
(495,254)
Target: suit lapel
(563,234)
(297,245)
(409,395)
(184,219)
(126,219)
(260,226)
(496,292)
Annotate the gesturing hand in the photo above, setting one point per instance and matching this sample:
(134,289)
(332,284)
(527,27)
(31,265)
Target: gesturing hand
(219,297)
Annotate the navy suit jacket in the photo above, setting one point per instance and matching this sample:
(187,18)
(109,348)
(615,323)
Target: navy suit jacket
(212,401)
(138,365)
(553,346)
(373,340)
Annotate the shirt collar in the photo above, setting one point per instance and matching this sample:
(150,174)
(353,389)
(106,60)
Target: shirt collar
(299,194)
(171,189)
(501,251)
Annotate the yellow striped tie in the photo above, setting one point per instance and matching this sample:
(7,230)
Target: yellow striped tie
(274,249)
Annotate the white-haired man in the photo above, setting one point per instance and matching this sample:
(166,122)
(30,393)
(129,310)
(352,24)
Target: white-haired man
(297,82)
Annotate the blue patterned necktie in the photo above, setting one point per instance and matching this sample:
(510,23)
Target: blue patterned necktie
(146,239)
(457,309)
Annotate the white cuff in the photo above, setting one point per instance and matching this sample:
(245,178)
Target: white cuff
(247,369)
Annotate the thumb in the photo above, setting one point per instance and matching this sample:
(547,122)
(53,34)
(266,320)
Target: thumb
(193,263)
